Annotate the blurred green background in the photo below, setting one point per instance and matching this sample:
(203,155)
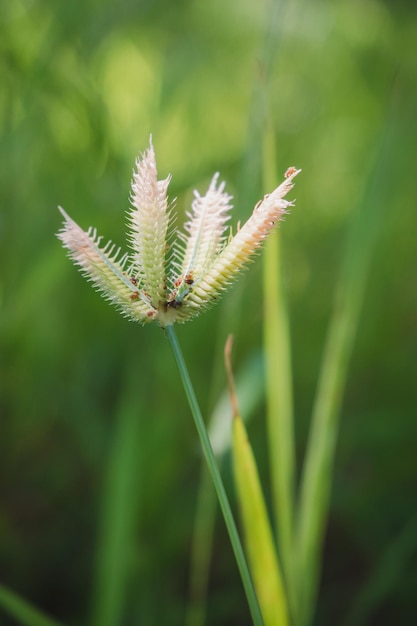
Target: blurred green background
(82,86)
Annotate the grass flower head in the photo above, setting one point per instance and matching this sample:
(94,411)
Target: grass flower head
(169,275)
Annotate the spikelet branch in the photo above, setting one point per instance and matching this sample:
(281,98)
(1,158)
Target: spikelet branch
(101,267)
(149,220)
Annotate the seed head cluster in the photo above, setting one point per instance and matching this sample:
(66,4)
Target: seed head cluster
(170,275)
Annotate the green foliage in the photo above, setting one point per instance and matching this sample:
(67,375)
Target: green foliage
(83,85)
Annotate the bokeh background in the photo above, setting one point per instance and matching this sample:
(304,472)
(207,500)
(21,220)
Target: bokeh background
(82,86)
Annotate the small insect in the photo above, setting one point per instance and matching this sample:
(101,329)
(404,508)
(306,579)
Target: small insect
(134,296)
(189,279)
(133,280)
(290,171)
(151,314)
(174,304)
(178,281)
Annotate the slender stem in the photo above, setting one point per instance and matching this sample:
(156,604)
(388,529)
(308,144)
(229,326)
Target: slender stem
(216,477)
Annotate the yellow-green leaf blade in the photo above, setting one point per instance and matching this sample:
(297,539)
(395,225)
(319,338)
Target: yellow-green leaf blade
(262,556)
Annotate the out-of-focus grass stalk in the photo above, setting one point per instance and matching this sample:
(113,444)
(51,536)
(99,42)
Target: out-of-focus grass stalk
(22,611)
(316,480)
(260,547)
(387,576)
(276,341)
(120,491)
(201,550)
(318,466)
(216,478)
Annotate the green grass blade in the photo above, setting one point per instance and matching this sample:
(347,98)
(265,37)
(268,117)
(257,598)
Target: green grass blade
(118,514)
(259,541)
(201,550)
(280,420)
(317,470)
(22,611)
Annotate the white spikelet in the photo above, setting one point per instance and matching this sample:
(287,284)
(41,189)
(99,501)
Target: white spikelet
(100,266)
(149,222)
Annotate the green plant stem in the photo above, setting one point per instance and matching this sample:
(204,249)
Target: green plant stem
(216,477)
(250,391)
